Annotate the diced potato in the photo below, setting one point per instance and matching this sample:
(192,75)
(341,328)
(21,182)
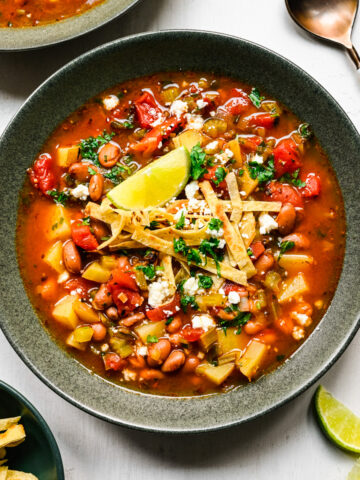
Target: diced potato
(85,312)
(229,341)
(141,280)
(121,347)
(97,273)
(54,257)
(188,139)
(293,287)
(64,312)
(217,374)
(234,146)
(71,342)
(208,339)
(5,423)
(58,223)
(213,300)
(251,361)
(109,262)
(156,329)
(295,261)
(67,156)
(13,435)
(83,334)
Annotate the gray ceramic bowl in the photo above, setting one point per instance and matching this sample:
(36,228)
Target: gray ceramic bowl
(39,453)
(45,35)
(89,75)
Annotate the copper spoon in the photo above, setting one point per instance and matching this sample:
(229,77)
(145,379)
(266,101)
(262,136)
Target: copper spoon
(330,20)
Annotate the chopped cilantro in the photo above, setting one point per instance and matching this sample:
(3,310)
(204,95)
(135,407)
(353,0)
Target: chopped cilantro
(239,321)
(284,247)
(180,286)
(220,174)
(208,247)
(85,221)
(197,157)
(60,198)
(188,300)
(305,131)
(205,281)
(152,339)
(169,320)
(262,173)
(249,252)
(255,97)
(148,270)
(90,146)
(293,178)
(194,256)
(91,171)
(115,173)
(241,172)
(215,224)
(181,223)
(104,239)
(153,225)
(180,246)
(280,358)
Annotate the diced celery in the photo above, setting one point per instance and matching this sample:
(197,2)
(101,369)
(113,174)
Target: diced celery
(58,223)
(272,281)
(67,156)
(64,313)
(156,329)
(229,357)
(188,139)
(212,300)
(295,261)
(121,346)
(217,374)
(251,361)
(71,342)
(54,257)
(83,334)
(109,262)
(293,287)
(97,273)
(208,339)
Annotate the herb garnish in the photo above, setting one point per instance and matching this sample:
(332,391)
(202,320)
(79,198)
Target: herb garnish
(239,321)
(151,339)
(293,178)
(285,246)
(60,198)
(148,270)
(181,223)
(205,281)
(85,221)
(169,320)
(208,247)
(197,157)
(90,146)
(153,225)
(115,173)
(255,97)
(188,300)
(305,131)
(220,174)
(215,224)
(262,173)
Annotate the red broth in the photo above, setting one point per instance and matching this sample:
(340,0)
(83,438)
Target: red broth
(213,334)
(29,13)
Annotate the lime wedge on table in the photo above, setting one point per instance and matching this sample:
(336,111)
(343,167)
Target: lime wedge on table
(355,472)
(155,184)
(338,422)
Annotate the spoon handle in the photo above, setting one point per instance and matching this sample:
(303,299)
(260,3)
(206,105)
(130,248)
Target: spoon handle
(354,56)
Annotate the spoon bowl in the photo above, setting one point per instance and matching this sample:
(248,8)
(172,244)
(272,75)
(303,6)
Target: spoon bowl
(330,20)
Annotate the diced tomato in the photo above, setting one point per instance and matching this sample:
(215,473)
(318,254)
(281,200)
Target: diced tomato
(312,186)
(257,249)
(280,192)
(124,291)
(122,279)
(238,103)
(164,311)
(191,334)
(285,325)
(233,287)
(41,174)
(250,143)
(82,236)
(150,142)
(113,361)
(286,157)
(265,120)
(80,285)
(211,175)
(147,110)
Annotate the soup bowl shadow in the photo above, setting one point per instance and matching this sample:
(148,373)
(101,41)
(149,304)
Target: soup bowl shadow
(137,56)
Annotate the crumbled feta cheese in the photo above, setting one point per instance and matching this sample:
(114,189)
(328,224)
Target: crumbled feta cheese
(242,193)
(191,189)
(191,286)
(194,121)
(298,333)
(200,224)
(229,153)
(216,233)
(159,291)
(129,375)
(257,158)
(159,145)
(158,122)
(104,347)
(201,104)
(178,214)
(212,145)
(110,102)
(234,297)
(142,351)
(203,321)
(267,223)
(178,108)
(212,114)
(222,243)
(81,192)
(221,291)
(301,319)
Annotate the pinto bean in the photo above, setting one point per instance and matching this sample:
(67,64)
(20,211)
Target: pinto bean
(175,339)
(100,230)
(151,374)
(96,187)
(80,171)
(253,327)
(112,313)
(264,263)
(286,218)
(158,352)
(137,362)
(175,360)
(175,325)
(132,319)
(99,331)
(300,240)
(71,257)
(190,364)
(103,298)
(109,155)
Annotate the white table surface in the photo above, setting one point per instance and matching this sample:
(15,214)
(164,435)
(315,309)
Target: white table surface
(285,444)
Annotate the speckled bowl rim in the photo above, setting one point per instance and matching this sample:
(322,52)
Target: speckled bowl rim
(30,38)
(44,427)
(182,414)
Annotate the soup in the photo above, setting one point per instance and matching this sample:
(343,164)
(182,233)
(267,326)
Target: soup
(29,13)
(181,233)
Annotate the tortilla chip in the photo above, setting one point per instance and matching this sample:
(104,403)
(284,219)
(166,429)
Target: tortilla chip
(13,434)
(5,423)
(15,475)
(248,228)
(3,473)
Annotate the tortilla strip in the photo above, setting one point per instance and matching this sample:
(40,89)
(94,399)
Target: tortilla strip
(13,435)
(248,228)
(5,423)
(246,183)
(234,197)
(15,475)
(249,267)
(166,262)
(3,473)
(128,245)
(208,264)
(237,248)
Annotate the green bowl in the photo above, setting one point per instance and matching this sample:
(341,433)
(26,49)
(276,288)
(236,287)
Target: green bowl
(85,77)
(28,38)
(39,453)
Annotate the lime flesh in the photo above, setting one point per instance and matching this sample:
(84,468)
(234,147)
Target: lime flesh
(155,184)
(340,425)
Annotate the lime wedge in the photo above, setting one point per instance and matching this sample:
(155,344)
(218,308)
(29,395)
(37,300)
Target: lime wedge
(340,425)
(354,474)
(155,184)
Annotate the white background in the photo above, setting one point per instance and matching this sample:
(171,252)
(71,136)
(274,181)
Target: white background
(286,444)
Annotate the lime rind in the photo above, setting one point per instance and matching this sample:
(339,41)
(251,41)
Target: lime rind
(337,421)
